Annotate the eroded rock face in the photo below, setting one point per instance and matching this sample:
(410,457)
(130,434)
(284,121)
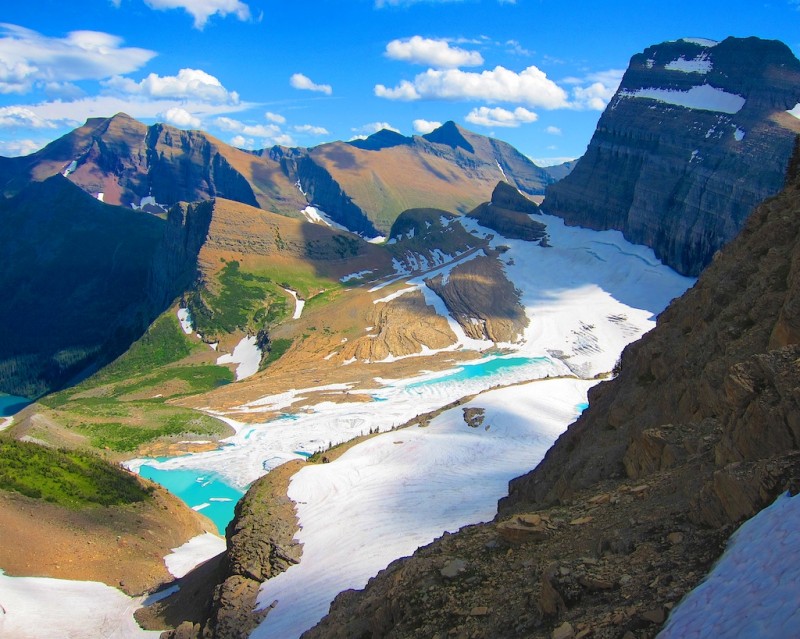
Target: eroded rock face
(260,545)
(695,137)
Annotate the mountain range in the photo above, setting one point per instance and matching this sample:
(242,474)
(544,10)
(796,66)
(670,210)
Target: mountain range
(352,265)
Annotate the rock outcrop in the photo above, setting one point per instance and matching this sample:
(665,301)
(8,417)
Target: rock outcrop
(260,546)
(633,503)
(509,213)
(696,136)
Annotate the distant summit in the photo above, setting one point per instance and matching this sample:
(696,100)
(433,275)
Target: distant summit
(383,139)
(696,136)
(451,135)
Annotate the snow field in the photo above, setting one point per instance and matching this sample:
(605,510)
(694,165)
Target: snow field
(752,590)
(389,495)
(194,552)
(704,97)
(44,608)
(247,355)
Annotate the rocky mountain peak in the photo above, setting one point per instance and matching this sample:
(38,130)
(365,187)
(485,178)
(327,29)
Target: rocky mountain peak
(450,134)
(383,139)
(696,136)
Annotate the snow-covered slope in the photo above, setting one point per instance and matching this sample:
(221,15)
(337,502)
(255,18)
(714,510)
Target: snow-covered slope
(752,591)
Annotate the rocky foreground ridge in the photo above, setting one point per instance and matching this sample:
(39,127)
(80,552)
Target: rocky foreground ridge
(696,136)
(628,510)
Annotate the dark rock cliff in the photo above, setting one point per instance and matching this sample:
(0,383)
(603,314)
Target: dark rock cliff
(509,214)
(75,280)
(683,179)
(322,190)
(631,506)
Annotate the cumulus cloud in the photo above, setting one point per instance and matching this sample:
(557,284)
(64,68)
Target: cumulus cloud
(303,82)
(274,117)
(189,84)
(268,133)
(373,127)
(19,116)
(29,59)
(425,126)
(437,53)
(180,118)
(484,116)
(242,142)
(14,148)
(531,87)
(311,130)
(202,10)
(553,130)
(596,89)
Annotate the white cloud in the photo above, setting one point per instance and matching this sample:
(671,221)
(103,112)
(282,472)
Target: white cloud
(484,116)
(20,116)
(202,10)
(268,133)
(437,53)
(241,142)
(553,161)
(598,92)
(404,91)
(310,129)
(28,58)
(274,117)
(300,81)
(373,127)
(531,87)
(189,84)
(425,126)
(254,130)
(14,148)
(514,47)
(180,118)
(553,130)
(77,111)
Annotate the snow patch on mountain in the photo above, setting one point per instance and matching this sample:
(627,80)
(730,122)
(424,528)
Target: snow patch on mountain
(194,552)
(185,319)
(43,608)
(752,590)
(703,97)
(699,64)
(246,354)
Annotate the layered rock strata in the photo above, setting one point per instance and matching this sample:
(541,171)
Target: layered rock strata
(696,136)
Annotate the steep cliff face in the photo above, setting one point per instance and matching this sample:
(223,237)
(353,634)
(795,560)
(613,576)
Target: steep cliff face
(75,280)
(633,503)
(697,134)
(322,190)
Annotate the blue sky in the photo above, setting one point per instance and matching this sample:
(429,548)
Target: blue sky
(536,73)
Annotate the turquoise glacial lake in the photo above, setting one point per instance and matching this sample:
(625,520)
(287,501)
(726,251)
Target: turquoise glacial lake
(206,493)
(494,366)
(12,404)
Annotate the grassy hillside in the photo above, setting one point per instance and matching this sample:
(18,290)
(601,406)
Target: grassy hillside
(68,478)
(124,406)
